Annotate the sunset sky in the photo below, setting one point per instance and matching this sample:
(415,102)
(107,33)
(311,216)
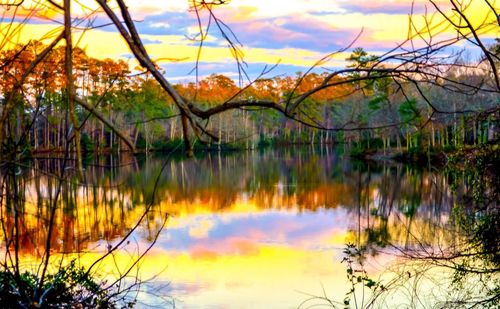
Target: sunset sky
(295,33)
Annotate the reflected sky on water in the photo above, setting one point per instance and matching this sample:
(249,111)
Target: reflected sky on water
(258,229)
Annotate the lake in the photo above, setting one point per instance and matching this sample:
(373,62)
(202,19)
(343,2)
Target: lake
(254,229)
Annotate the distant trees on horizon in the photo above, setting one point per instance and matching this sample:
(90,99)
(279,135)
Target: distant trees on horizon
(391,114)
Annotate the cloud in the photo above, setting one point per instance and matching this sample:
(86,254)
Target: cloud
(178,72)
(266,8)
(384,7)
(296,31)
(151,41)
(390,7)
(254,30)
(201,228)
(166,23)
(146,8)
(210,237)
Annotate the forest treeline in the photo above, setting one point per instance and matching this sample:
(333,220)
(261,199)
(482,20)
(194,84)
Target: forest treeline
(376,113)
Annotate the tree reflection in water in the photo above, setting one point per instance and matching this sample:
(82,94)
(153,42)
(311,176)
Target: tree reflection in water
(448,257)
(391,209)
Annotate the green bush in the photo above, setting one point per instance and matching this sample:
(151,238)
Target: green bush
(69,287)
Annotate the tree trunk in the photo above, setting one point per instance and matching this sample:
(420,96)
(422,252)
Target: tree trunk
(70,86)
(185,133)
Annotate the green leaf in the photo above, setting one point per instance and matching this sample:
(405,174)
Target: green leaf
(374,103)
(370,283)
(408,110)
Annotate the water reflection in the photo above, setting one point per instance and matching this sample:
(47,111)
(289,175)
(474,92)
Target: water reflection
(252,228)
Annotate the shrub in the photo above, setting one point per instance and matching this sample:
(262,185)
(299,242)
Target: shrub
(69,287)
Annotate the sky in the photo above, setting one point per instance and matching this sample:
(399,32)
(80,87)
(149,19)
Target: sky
(293,33)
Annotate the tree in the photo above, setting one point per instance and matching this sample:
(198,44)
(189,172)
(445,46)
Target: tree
(404,65)
(406,74)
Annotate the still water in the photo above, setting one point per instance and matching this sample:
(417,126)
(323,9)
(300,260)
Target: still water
(259,229)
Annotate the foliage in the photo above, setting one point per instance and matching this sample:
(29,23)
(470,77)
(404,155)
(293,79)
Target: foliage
(409,111)
(358,277)
(70,287)
(479,213)
(139,106)
(87,143)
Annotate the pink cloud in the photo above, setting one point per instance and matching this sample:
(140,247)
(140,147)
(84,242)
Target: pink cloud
(228,246)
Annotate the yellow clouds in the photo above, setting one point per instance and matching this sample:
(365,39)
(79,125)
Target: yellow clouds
(295,33)
(36,10)
(151,7)
(167,48)
(266,8)
(97,44)
(15,33)
(291,56)
(395,27)
(386,27)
